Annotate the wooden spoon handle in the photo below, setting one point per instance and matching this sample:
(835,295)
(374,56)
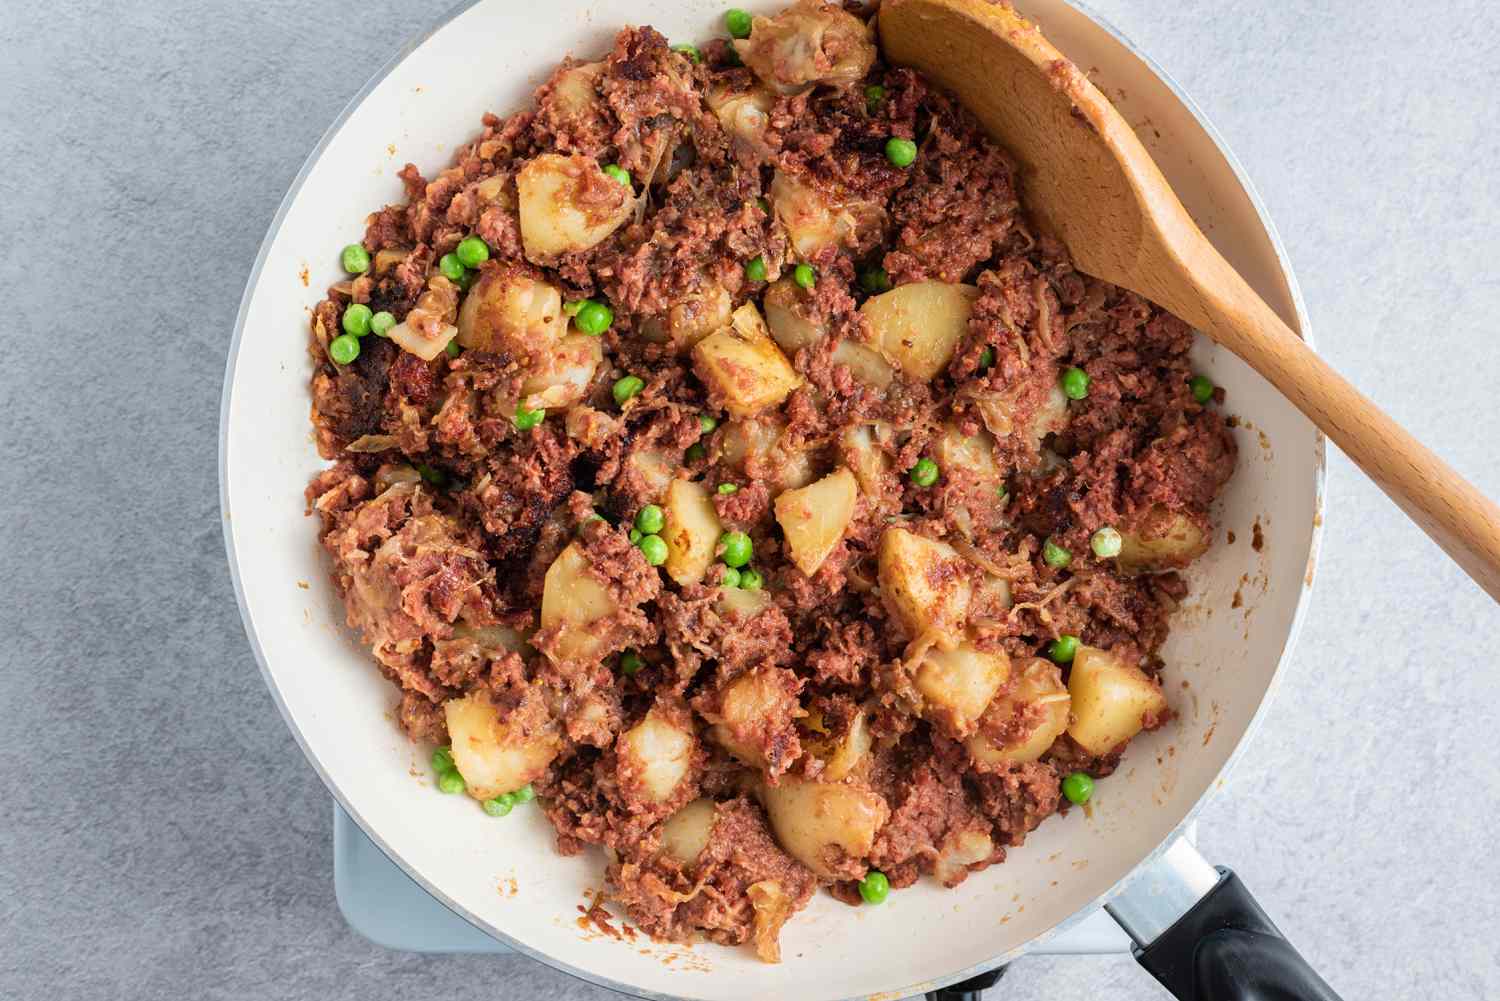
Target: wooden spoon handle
(1446,506)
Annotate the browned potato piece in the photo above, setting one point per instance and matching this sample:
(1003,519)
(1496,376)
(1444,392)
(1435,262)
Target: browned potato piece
(815,218)
(575,93)
(562,376)
(973,454)
(755,712)
(788,317)
(1024,722)
(691,532)
(754,446)
(656,754)
(494,757)
(568,203)
(1163,540)
(957,685)
(655,471)
(1111,700)
(810,819)
(925,584)
(686,832)
(960,850)
(744,365)
(509,311)
(573,600)
(814,518)
(810,43)
(918,326)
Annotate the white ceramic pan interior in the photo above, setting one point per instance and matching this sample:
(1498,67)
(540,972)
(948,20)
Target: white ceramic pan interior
(504,875)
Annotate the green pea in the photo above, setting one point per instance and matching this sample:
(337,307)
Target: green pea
(472,251)
(763,205)
(355,258)
(631,663)
(805,275)
(1075,383)
(874,94)
(451,267)
(434,476)
(468,279)
(706,423)
(635,536)
(751,580)
(737,23)
(924,473)
(874,888)
(442,760)
(573,308)
(450,782)
(728,488)
(356,319)
(528,419)
(499,806)
(986,357)
(738,549)
(453,349)
(730,577)
(691,51)
(654,548)
(381,323)
(695,452)
(1055,556)
(1202,387)
(875,280)
(626,387)
(594,318)
(1078,787)
(344,348)
(1062,649)
(901,152)
(650,519)
(1106,543)
(619,173)
(525,794)
(755,269)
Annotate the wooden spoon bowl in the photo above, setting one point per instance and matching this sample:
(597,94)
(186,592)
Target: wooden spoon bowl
(1087,180)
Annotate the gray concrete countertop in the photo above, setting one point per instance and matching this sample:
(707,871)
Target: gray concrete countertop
(160,833)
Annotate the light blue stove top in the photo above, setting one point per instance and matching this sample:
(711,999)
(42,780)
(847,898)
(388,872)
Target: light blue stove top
(386,906)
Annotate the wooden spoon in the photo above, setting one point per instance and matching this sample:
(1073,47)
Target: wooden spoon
(1088,181)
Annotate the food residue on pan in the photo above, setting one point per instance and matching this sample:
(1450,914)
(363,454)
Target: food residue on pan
(1257,537)
(1229,536)
(304,585)
(306,278)
(390,149)
(507,886)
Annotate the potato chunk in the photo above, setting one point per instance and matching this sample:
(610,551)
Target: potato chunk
(957,685)
(567,204)
(656,754)
(691,532)
(1111,700)
(814,518)
(1162,540)
(960,850)
(685,834)
(740,606)
(925,584)
(754,718)
(816,218)
(808,44)
(743,113)
(755,447)
(744,365)
(815,821)
(494,757)
(691,318)
(572,601)
(562,376)
(870,463)
(918,326)
(1026,720)
(509,311)
(654,471)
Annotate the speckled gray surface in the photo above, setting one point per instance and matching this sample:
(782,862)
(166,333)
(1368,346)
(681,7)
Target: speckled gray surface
(160,834)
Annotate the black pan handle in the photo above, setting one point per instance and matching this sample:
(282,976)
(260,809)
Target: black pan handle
(969,990)
(1225,948)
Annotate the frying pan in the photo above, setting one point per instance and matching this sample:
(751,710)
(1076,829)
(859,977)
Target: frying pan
(1125,852)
